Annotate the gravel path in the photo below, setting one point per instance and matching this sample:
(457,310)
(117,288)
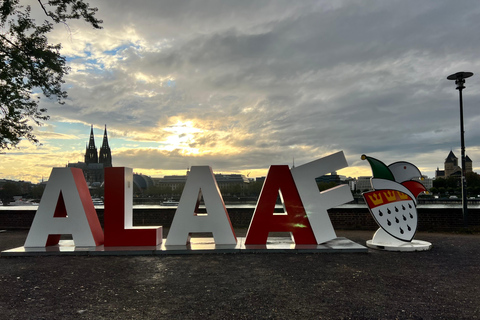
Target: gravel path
(443,283)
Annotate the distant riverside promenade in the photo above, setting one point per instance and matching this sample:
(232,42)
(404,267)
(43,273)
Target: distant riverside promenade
(432,217)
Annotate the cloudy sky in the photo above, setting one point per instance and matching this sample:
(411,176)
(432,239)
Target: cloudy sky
(242,85)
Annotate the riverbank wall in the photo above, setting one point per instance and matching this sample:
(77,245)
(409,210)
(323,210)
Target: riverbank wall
(434,218)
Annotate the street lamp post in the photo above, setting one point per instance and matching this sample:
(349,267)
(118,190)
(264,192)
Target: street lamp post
(459,78)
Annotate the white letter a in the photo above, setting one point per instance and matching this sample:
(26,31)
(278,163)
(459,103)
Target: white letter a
(66,208)
(186,220)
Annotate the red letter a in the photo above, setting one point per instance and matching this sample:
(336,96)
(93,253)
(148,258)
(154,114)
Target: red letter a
(294,220)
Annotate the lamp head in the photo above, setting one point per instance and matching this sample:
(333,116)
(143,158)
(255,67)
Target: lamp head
(459,78)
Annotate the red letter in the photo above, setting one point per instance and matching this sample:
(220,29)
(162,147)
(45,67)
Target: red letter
(118,213)
(294,220)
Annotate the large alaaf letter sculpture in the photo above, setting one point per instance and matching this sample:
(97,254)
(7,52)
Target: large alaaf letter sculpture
(66,208)
(201,182)
(317,203)
(118,214)
(279,181)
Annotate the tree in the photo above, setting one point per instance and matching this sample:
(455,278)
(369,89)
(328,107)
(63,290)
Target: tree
(29,64)
(439,183)
(8,190)
(254,188)
(473,179)
(37,191)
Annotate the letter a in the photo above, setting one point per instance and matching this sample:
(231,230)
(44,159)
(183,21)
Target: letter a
(201,181)
(66,208)
(264,219)
(118,214)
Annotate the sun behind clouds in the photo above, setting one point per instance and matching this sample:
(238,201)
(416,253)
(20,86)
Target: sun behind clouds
(181,137)
(195,137)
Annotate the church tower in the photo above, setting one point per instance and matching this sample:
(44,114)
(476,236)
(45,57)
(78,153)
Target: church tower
(468,164)
(451,164)
(91,154)
(105,153)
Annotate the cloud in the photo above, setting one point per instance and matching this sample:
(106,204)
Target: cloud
(261,82)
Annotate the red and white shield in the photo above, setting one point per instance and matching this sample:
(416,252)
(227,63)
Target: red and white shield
(394,211)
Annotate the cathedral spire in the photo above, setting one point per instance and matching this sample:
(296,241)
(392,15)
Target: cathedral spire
(105,138)
(91,155)
(105,153)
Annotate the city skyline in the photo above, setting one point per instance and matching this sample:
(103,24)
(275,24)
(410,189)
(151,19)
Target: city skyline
(244,85)
(88,150)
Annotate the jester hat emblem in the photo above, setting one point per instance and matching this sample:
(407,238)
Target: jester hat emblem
(393,200)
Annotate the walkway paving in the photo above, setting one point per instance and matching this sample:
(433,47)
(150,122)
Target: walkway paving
(443,283)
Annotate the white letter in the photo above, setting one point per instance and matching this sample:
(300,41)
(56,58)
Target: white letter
(317,203)
(66,208)
(201,181)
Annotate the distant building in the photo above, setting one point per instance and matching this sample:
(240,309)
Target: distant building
(171,182)
(451,168)
(427,182)
(364,184)
(332,177)
(223,180)
(335,178)
(227,180)
(143,182)
(94,165)
(260,179)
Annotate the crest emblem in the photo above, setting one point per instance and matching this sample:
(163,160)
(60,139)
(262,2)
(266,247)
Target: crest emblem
(393,200)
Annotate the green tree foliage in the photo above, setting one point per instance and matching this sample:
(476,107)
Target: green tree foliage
(233,190)
(163,192)
(37,192)
(473,179)
(8,190)
(254,188)
(452,185)
(473,183)
(29,64)
(449,183)
(434,190)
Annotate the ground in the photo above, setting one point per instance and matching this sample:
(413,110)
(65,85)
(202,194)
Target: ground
(443,283)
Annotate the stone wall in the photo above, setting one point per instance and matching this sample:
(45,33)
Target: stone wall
(349,217)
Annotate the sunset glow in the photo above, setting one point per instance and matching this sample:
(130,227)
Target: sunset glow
(241,87)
